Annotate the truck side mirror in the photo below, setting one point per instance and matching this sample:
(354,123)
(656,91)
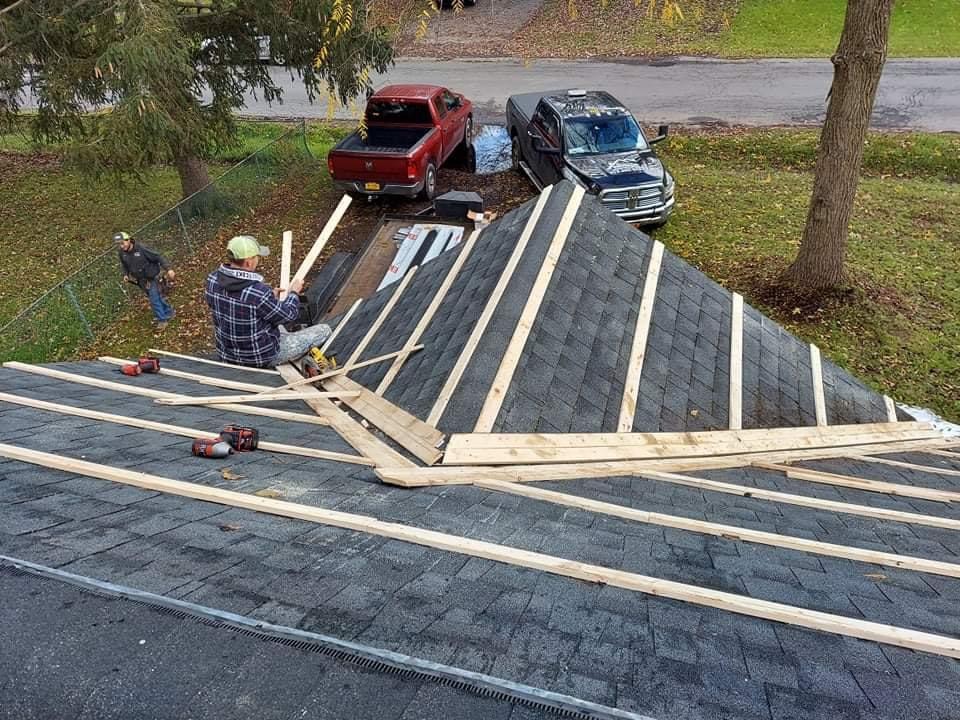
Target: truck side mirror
(662,133)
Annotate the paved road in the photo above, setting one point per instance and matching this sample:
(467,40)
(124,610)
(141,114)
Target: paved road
(917,94)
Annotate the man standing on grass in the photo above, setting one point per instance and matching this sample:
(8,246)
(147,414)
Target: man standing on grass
(147,268)
(248,314)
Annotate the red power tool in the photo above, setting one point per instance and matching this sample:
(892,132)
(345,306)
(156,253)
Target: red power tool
(241,439)
(211,448)
(145,364)
(149,364)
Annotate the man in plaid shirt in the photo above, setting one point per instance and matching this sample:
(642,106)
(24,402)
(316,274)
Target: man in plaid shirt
(248,315)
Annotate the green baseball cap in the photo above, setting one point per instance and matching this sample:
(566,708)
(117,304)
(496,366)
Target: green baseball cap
(242,247)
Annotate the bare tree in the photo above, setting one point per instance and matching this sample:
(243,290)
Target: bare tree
(857,65)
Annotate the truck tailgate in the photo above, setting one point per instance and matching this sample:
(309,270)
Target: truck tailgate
(350,165)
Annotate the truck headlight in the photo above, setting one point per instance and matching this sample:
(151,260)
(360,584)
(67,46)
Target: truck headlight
(668,186)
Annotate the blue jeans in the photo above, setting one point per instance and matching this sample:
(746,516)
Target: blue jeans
(161,308)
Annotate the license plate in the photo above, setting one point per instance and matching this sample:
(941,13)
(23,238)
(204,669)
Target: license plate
(371,186)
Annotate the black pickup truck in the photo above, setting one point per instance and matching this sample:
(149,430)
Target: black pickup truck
(593,140)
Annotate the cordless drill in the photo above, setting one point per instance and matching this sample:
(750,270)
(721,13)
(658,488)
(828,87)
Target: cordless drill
(211,448)
(144,364)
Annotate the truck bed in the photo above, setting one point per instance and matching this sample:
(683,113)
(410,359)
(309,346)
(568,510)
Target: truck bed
(385,141)
(526,104)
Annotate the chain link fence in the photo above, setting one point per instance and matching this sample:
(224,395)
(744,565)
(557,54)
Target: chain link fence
(73,311)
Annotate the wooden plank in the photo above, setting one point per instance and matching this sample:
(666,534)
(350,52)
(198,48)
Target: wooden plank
(130,389)
(431,310)
(765,609)
(411,433)
(736,363)
(891,408)
(631,388)
(453,379)
(138,422)
(207,361)
(819,401)
(909,466)
(461,451)
(511,357)
(349,429)
(728,440)
(342,324)
(728,532)
(826,478)
(803,500)
(322,239)
(202,379)
(381,318)
(259,397)
(286,253)
(944,453)
(340,371)
(460,475)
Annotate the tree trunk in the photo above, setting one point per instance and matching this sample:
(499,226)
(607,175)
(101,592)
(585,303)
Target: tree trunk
(193,174)
(857,65)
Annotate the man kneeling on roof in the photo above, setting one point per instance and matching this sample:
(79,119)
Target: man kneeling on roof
(248,314)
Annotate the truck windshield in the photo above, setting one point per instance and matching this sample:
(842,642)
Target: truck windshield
(602,135)
(401,112)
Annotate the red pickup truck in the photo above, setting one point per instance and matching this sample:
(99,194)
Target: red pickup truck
(411,130)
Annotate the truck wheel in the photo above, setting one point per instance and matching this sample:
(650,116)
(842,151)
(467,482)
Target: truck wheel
(516,154)
(429,191)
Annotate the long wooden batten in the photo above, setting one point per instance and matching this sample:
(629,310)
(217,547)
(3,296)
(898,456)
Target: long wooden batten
(729,532)
(132,389)
(142,424)
(507,449)
(465,475)
(694,594)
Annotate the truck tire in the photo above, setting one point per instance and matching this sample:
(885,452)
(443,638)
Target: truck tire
(516,154)
(429,191)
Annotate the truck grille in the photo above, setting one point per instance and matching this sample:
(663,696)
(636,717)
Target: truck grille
(635,198)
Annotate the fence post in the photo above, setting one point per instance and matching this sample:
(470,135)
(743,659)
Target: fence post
(256,161)
(76,306)
(303,136)
(183,226)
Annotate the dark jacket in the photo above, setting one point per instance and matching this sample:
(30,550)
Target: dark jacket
(246,316)
(142,264)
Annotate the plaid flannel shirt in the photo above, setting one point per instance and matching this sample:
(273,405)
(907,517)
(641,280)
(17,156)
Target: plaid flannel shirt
(246,316)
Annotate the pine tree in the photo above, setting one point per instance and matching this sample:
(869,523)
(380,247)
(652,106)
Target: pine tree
(130,84)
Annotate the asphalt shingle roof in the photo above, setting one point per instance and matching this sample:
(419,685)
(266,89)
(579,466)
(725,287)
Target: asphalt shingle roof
(571,373)
(661,657)
(615,647)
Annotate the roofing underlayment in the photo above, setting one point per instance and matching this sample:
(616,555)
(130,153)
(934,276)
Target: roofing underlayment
(805,566)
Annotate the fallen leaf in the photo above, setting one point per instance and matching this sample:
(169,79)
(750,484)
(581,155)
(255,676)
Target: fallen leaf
(229,528)
(268,493)
(228,474)
(876,576)
(695,413)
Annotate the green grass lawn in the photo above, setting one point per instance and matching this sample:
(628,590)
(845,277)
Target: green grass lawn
(729,28)
(54,220)
(57,219)
(743,202)
(792,28)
